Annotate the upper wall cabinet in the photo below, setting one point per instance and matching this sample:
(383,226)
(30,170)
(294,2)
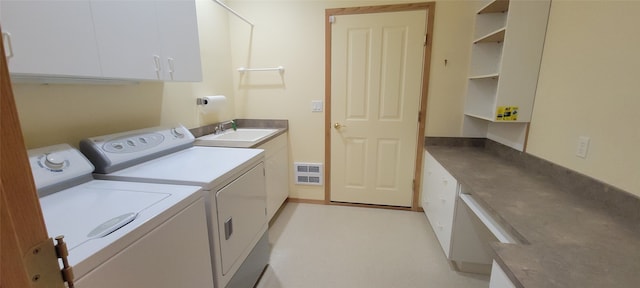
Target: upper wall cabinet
(177,22)
(505,59)
(148,40)
(50,38)
(133,40)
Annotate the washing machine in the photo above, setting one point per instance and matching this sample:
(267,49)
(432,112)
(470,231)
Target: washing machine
(122,234)
(233,180)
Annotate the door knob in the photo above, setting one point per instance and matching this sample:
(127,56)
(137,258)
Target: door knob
(338,125)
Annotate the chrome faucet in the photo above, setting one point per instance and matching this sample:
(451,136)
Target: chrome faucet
(221,126)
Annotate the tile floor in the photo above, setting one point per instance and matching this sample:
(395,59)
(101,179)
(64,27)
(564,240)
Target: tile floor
(337,246)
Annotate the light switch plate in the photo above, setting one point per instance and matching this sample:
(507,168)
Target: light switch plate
(316,106)
(583,147)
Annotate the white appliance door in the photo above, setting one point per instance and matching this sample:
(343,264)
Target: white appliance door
(241,207)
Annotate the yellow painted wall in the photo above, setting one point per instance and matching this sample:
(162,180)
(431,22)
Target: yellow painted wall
(53,114)
(589,86)
(453,31)
(291,34)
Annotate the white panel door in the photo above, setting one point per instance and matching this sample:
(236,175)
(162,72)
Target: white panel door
(376,73)
(50,37)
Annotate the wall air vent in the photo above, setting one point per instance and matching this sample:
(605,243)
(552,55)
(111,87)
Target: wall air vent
(308,173)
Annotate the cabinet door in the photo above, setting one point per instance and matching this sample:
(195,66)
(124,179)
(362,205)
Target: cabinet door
(178,26)
(50,37)
(439,198)
(446,201)
(128,39)
(430,188)
(277,173)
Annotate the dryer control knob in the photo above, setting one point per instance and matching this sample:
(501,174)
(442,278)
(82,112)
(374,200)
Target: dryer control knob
(177,133)
(54,161)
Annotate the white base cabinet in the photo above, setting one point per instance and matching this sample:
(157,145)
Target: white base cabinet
(439,200)
(453,224)
(277,173)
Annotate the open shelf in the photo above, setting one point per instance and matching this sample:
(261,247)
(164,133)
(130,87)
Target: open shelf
(485,118)
(496,6)
(495,36)
(494,76)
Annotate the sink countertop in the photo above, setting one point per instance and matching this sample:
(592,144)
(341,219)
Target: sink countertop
(569,240)
(281,125)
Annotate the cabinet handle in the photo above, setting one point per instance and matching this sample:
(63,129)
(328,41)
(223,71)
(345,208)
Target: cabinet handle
(9,48)
(171,63)
(156,61)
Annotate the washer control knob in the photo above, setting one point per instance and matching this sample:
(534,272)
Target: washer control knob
(177,133)
(54,161)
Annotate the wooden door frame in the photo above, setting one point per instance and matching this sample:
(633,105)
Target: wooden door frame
(429,8)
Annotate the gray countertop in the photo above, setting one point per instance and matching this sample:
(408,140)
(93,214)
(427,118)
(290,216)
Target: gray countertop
(567,240)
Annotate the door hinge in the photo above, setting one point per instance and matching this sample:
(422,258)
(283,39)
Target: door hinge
(419,116)
(332,19)
(426,38)
(414,185)
(42,265)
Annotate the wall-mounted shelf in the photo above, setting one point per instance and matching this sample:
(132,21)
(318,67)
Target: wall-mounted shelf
(495,36)
(505,61)
(496,6)
(280,69)
(486,76)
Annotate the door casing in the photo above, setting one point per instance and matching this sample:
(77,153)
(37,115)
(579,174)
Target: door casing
(429,8)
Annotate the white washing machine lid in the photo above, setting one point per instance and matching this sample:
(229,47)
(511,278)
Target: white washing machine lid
(201,166)
(89,215)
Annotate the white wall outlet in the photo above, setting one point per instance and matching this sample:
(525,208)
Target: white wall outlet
(316,105)
(583,146)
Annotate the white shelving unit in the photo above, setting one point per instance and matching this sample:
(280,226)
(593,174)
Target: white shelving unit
(505,61)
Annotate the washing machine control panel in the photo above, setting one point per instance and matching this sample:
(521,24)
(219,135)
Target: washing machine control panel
(56,164)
